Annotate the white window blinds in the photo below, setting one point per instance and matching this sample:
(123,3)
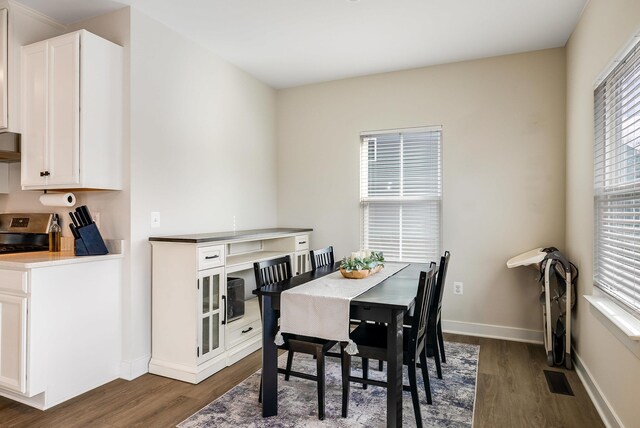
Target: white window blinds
(617,182)
(401,193)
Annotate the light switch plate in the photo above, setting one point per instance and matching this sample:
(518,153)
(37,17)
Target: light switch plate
(155,219)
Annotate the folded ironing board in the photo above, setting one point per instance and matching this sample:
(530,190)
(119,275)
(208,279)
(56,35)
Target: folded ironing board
(556,309)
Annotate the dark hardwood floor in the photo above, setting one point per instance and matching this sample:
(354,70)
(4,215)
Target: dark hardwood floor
(512,392)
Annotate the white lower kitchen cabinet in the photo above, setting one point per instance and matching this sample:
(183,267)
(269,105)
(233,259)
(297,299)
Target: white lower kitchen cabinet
(13,341)
(60,329)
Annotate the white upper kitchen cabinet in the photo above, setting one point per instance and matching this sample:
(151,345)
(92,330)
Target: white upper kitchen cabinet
(19,26)
(72,113)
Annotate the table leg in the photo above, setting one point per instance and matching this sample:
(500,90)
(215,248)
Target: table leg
(269,359)
(394,370)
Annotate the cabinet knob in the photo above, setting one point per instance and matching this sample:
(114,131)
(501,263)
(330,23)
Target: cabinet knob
(44,173)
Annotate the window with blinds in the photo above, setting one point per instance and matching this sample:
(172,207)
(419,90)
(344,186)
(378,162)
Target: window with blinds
(401,193)
(617,182)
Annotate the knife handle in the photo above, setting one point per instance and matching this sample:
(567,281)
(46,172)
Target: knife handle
(80,216)
(84,215)
(87,214)
(74,232)
(74,219)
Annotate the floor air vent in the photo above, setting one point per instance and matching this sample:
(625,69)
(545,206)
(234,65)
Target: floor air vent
(558,383)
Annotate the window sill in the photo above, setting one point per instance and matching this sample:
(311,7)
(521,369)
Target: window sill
(627,323)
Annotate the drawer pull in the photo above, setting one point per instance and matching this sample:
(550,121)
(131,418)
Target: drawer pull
(211,257)
(247,330)
(302,242)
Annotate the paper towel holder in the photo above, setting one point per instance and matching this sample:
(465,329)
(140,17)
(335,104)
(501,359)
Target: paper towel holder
(58,199)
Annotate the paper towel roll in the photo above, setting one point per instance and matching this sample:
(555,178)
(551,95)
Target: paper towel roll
(58,199)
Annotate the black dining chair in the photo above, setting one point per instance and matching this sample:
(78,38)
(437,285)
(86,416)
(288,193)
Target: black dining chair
(371,340)
(271,271)
(435,339)
(322,257)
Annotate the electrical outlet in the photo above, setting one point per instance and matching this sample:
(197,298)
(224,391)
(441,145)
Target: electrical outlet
(155,219)
(458,288)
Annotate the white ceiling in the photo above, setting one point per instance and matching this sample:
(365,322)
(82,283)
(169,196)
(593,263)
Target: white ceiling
(294,42)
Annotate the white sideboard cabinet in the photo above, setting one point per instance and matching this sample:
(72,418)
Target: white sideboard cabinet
(72,113)
(191,336)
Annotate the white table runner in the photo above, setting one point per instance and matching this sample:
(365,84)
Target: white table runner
(320,308)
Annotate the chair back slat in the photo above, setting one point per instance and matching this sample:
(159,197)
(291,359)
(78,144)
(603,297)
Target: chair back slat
(436,306)
(270,271)
(322,257)
(424,298)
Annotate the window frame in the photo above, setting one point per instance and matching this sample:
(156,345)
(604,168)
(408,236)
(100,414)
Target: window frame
(365,201)
(609,136)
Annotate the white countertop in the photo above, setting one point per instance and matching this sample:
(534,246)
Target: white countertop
(40,259)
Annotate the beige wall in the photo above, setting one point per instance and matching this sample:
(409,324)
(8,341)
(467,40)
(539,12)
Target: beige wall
(605,28)
(202,151)
(504,191)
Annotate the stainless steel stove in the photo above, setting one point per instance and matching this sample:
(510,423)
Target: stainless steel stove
(24,232)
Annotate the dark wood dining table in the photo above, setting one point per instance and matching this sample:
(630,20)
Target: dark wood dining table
(386,302)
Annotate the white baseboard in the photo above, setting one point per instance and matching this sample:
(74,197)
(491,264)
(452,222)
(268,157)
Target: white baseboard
(609,417)
(493,331)
(132,369)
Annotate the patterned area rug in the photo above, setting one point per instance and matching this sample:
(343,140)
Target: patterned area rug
(453,397)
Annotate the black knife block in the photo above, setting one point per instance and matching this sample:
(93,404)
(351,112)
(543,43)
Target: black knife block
(90,242)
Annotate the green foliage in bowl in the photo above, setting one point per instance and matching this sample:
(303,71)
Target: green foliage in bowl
(355,263)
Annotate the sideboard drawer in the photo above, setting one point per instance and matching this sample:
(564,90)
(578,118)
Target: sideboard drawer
(247,331)
(302,242)
(210,257)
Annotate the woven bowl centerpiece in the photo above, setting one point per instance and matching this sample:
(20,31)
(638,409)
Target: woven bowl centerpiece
(361,264)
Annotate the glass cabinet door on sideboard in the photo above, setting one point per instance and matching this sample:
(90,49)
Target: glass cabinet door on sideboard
(211,313)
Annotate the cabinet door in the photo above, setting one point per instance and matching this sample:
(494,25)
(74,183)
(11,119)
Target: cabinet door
(302,262)
(34,114)
(211,313)
(64,110)
(4,91)
(13,343)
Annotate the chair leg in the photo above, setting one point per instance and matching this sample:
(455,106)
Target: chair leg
(436,356)
(413,384)
(380,365)
(346,372)
(260,390)
(425,376)
(289,364)
(321,384)
(365,371)
(441,341)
